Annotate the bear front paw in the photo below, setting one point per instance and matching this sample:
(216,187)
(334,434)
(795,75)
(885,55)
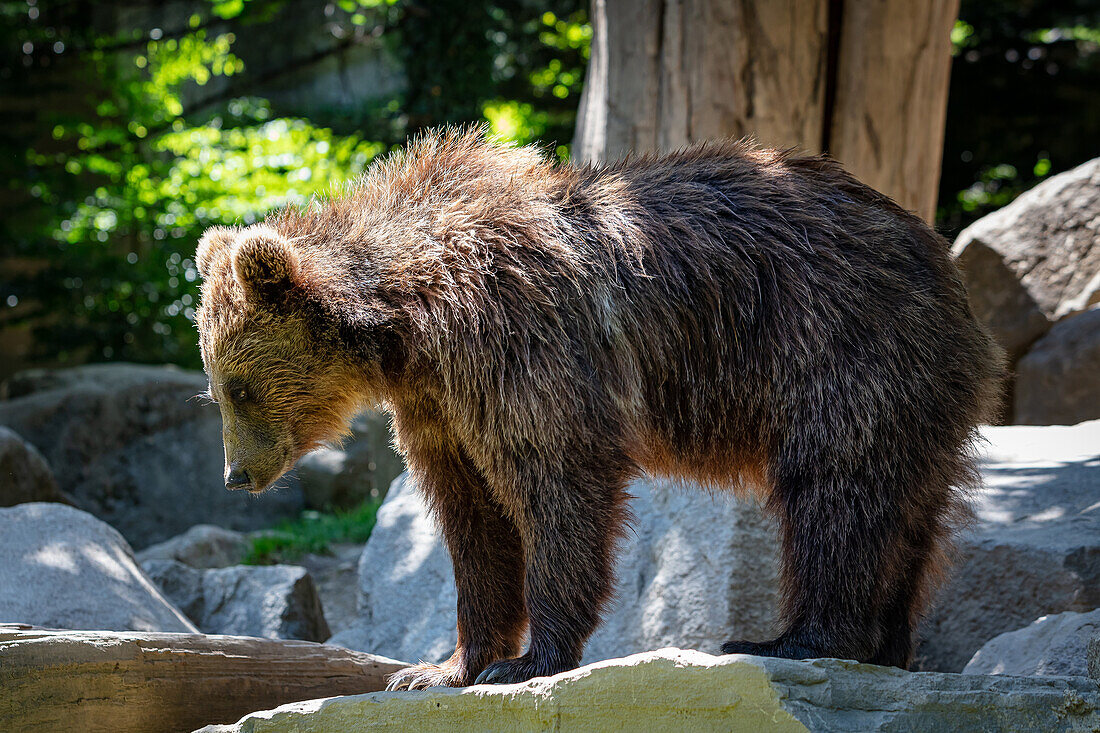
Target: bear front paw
(780,647)
(422,676)
(519,669)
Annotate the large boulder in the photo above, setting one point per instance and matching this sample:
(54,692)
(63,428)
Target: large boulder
(1052,645)
(1036,260)
(700,568)
(135,446)
(1035,549)
(164,683)
(693,585)
(671,690)
(1058,380)
(65,569)
(24,474)
(266,601)
(362,468)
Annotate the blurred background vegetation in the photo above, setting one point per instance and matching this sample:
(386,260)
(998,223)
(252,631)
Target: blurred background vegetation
(129,127)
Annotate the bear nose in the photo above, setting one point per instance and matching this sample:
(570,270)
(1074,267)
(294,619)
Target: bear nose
(237,478)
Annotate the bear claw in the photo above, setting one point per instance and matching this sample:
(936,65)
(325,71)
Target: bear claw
(422,676)
(776,648)
(510,671)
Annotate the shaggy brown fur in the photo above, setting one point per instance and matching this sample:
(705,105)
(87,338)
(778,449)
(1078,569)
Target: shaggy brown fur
(543,334)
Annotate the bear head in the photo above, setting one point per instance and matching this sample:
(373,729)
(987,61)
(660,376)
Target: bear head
(276,352)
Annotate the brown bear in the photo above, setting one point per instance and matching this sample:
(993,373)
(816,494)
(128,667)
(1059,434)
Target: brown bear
(543,334)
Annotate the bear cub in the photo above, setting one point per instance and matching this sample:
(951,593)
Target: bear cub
(542,334)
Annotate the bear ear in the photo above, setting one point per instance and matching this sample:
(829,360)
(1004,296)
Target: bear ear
(213,246)
(265,265)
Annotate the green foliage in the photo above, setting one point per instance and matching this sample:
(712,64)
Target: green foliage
(558,77)
(1024,101)
(515,63)
(515,121)
(156,134)
(153,181)
(314,532)
(962,36)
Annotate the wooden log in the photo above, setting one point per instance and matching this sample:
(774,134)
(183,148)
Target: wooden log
(891,96)
(92,681)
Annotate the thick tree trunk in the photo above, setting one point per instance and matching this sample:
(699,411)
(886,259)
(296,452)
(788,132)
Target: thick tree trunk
(891,98)
(865,81)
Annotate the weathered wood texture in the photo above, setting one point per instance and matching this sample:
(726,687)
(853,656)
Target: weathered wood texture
(865,81)
(891,96)
(664,73)
(92,681)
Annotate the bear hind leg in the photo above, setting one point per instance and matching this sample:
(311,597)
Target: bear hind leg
(838,528)
(921,556)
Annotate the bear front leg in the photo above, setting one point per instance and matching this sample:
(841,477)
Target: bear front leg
(488,566)
(569,529)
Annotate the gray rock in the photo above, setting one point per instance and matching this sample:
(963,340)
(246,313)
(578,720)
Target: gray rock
(181,584)
(63,568)
(202,546)
(698,569)
(1058,380)
(1036,260)
(361,469)
(270,601)
(677,583)
(998,298)
(674,690)
(336,576)
(1052,645)
(24,474)
(135,447)
(1036,547)
(265,601)
(1092,656)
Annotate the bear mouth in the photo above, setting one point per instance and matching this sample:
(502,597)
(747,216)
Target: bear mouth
(288,463)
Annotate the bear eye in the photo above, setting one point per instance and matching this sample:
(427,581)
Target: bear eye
(238,394)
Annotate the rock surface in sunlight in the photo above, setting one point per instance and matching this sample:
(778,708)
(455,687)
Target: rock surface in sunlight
(675,690)
(65,569)
(1036,547)
(1036,260)
(697,569)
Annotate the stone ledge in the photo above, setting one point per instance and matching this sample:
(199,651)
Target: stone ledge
(672,689)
